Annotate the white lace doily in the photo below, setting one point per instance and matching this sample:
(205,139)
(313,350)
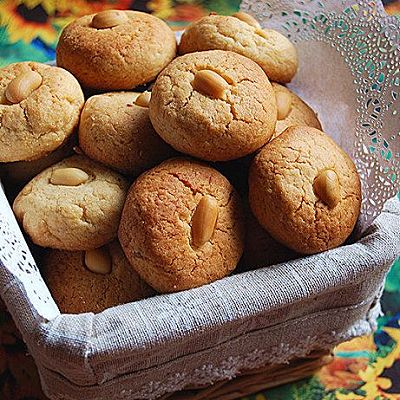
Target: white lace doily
(349,54)
(16,257)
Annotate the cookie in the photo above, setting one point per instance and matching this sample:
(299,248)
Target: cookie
(115,129)
(92,281)
(272,51)
(292,110)
(182,226)
(73,205)
(39,110)
(19,173)
(215,105)
(115,50)
(305,190)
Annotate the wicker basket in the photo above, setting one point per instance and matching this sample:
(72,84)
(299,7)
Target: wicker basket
(250,325)
(256,380)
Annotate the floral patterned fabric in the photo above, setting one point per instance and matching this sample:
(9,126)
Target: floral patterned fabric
(364,368)
(29,29)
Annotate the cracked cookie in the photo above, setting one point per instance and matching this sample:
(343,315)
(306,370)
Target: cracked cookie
(272,51)
(115,129)
(91,281)
(182,226)
(115,50)
(39,110)
(215,105)
(75,204)
(305,190)
(292,110)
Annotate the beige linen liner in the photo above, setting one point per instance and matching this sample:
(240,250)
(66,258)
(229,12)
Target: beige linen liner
(163,344)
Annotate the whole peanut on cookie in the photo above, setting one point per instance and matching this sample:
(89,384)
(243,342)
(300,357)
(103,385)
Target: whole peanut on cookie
(75,204)
(93,280)
(116,49)
(214,105)
(39,110)
(182,226)
(292,110)
(305,190)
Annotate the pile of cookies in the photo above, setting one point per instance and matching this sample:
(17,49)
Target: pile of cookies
(215,164)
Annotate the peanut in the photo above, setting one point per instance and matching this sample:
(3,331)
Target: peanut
(262,33)
(98,261)
(204,220)
(143,99)
(327,187)
(210,83)
(250,20)
(109,19)
(68,176)
(22,86)
(284,104)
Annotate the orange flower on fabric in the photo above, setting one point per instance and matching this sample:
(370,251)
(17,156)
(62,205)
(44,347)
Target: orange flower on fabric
(343,373)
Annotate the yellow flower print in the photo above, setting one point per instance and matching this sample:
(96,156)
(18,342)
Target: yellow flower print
(15,16)
(375,385)
(161,8)
(27,20)
(364,343)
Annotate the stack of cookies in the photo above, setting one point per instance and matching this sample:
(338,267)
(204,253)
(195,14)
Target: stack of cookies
(215,164)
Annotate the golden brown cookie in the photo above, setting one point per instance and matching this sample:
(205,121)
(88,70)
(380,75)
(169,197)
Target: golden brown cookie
(73,205)
(292,110)
(115,129)
(39,110)
(214,105)
(272,51)
(19,173)
(115,50)
(305,190)
(92,281)
(182,226)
